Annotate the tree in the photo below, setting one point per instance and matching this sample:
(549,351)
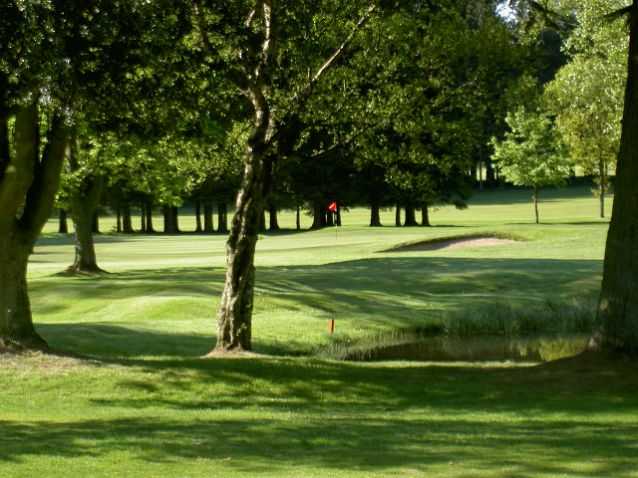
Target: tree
(586,95)
(83,185)
(618,306)
(272,82)
(531,153)
(56,59)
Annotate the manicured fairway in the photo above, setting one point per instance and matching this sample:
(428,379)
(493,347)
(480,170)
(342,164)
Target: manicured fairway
(146,405)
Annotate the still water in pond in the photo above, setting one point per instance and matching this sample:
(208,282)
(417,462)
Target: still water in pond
(444,349)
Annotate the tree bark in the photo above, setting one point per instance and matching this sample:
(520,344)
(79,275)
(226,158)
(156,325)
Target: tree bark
(83,205)
(397,216)
(148,211)
(410,216)
(85,261)
(63,225)
(618,306)
(143,218)
(118,219)
(234,331)
(298,218)
(29,180)
(175,216)
(95,222)
(535,199)
(222,218)
(318,216)
(198,216)
(425,215)
(208,217)
(127,223)
(262,221)
(338,216)
(375,215)
(16,326)
(274,222)
(171,220)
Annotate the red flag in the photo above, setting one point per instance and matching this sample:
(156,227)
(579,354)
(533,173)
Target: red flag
(333,207)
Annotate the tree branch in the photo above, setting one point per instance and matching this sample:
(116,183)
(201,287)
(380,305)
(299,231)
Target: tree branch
(201,25)
(303,95)
(18,173)
(621,13)
(266,46)
(300,98)
(41,194)
(5,156)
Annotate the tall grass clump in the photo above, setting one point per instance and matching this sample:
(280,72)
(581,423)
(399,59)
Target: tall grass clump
(499,326)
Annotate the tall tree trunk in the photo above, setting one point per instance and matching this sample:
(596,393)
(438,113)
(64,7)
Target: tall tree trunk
(234,332)
(118,219)
(16,325)
(535,199)
(168,227)
(198,216)
(410,216)
(425,215)
(148,211)
(95,223)
(397,216)
(127,223)
(375,215)
(318,216)
(143,227)
(235,313)
(618,306)
(262,221)
(208,217)
(274,221)
(29,180)
(63,225)
(298,218)
(222,218)
(171,218)
(175,217)
(83,205)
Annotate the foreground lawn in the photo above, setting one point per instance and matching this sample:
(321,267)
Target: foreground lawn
(304,418)
(144,404)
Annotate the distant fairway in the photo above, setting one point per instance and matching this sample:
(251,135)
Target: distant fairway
(172,284)
(147,406)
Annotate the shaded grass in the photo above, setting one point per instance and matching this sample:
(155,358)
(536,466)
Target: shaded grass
(314,418)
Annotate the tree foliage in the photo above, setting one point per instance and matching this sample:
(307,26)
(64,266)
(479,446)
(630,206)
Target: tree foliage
(531,154)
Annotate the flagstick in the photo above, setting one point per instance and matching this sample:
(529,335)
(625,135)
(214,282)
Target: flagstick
(333,208)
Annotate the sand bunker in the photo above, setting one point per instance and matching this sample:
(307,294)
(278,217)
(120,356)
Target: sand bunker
(453,243)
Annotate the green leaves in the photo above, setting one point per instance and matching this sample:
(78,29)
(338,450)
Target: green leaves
(531,153)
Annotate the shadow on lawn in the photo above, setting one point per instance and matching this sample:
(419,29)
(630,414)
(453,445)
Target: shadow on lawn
(533,421)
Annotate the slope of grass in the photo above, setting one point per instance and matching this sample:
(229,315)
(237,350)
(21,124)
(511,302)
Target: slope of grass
(146,405)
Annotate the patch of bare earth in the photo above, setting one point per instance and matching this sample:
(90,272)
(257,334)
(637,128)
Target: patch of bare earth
(454,244)
(232,354)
